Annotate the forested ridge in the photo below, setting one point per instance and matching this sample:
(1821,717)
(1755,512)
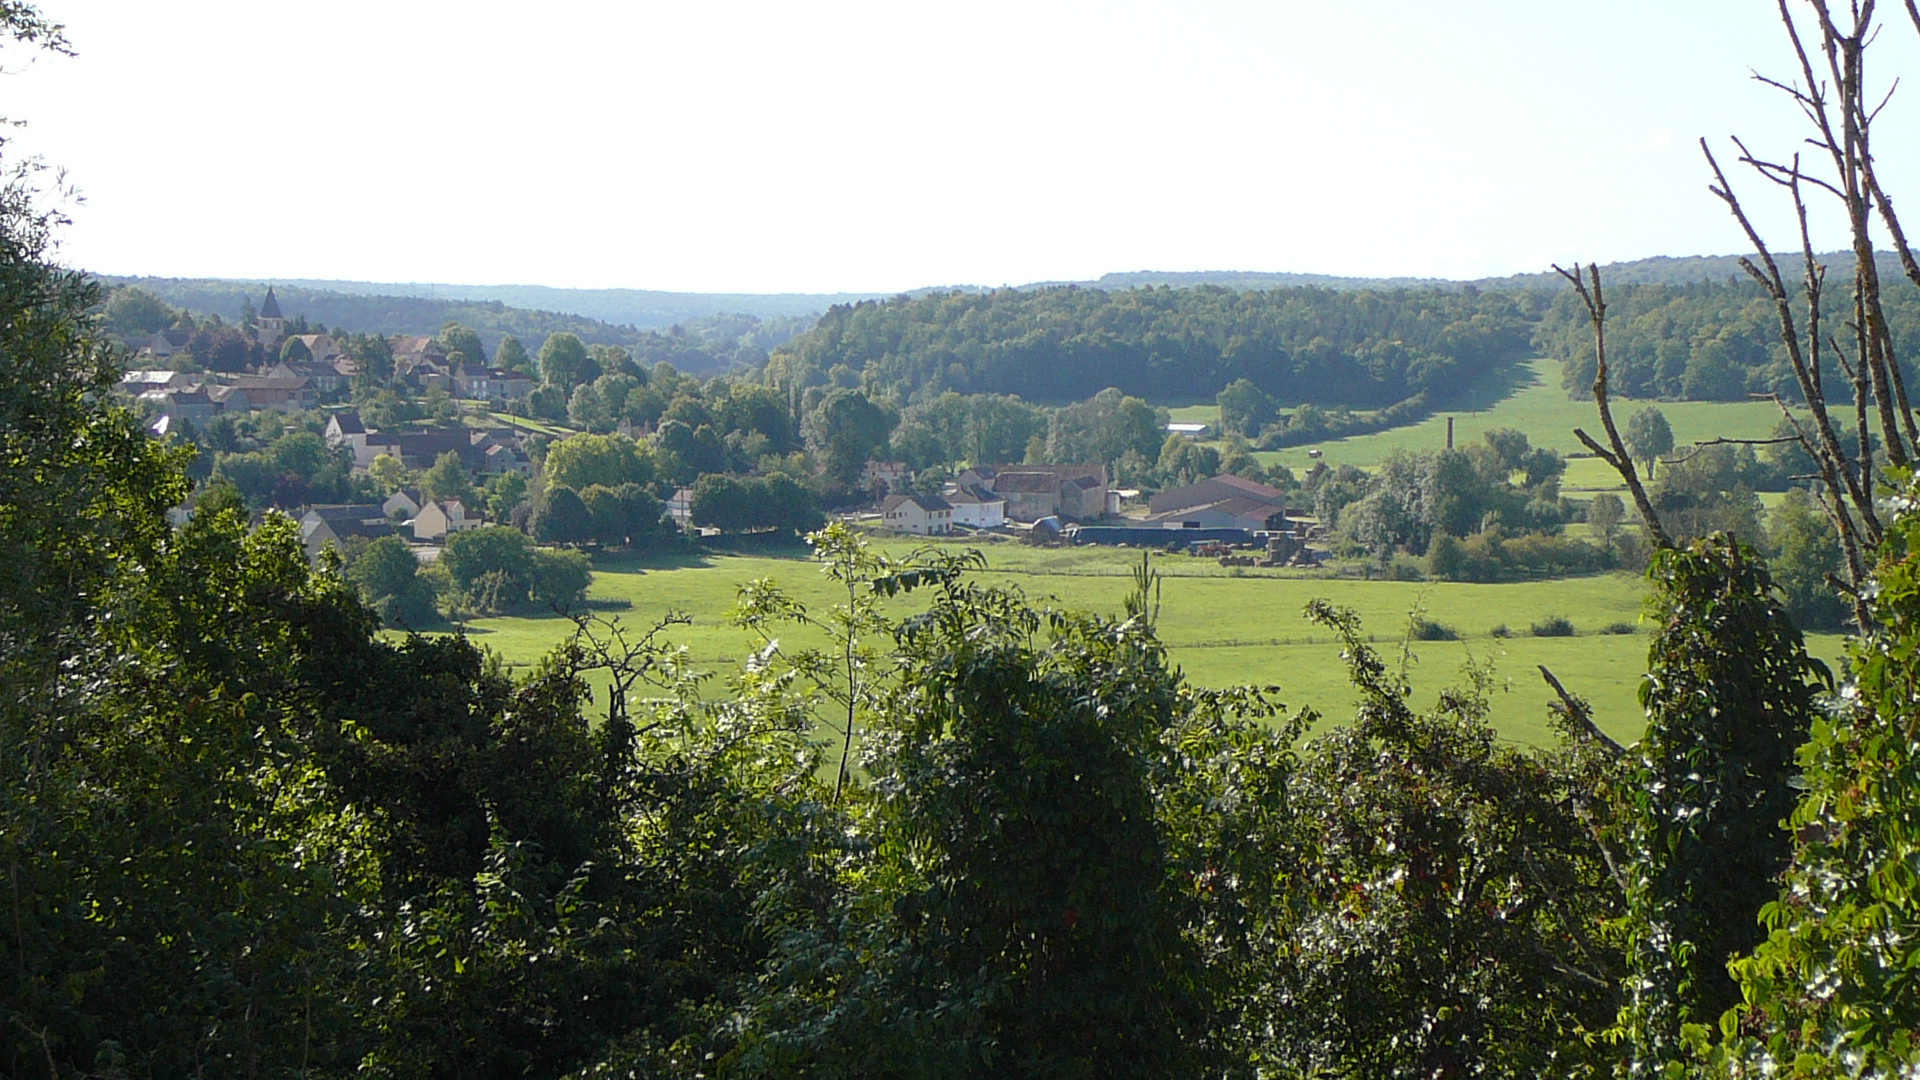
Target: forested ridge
(1707,341)
(709,343)
(1063,344)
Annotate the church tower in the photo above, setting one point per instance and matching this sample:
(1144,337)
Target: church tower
(273,326)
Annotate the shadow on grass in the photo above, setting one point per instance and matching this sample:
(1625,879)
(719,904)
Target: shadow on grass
(632,562)
(1491,388)
(700,556)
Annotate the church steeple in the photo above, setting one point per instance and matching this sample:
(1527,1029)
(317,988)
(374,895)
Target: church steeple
(270,307)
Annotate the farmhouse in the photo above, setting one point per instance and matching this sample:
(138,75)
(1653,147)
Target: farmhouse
(324,525)
(490,384)
(926,515)
(975,506)
(406,503)
(680,507)
(438,520)
(284,393)
(1075,492)
(345,429)
(884,477)
(163,343)
(190,403)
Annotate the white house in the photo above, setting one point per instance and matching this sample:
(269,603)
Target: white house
(680,507)
(927,515)
(324,525)
(406,502)
(439,520)
(977,507)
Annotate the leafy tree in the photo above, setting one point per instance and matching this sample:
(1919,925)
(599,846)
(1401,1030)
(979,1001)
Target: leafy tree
(629,515)
(1103,428)
(1183,461)
(512,356)
(447,480)
(1023,775)
(587,408)
(1806,551)
(846,430)
(224,349)
(1649,437)
(390,472)
(1729,697)
(606,515)
(564,363)
(374,355)
(503,492)
(462,341)
(1604,517)
(581,461)
(389,579)
(559,577)
(724,502)
(758,410)
(472,553)
(1244,408)
(562,518)
(132,310)
(1828,991)
(1451,896)
(295,351)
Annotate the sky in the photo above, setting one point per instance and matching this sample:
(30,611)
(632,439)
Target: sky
(846,146)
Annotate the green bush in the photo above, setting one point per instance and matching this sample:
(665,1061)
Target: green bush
(1425,629)
(1552,626)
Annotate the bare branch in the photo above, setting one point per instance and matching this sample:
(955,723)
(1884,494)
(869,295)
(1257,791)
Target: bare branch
(1579,715)
(1616,455)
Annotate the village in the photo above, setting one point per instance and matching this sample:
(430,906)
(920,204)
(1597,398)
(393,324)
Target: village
(1238,520)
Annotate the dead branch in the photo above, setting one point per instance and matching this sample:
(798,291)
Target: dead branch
(1580,715)
(1616,453)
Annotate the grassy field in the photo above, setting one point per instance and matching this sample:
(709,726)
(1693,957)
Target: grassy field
(1530,399)
(1223,627)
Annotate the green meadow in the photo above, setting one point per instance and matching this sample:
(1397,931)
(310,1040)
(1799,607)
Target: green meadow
(1528,398)
(1223,626)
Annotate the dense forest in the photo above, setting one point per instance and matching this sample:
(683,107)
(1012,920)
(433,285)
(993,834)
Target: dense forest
(1709,341)
(1064,344)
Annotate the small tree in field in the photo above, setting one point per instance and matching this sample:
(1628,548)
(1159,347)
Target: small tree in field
(1604,517)
(1649,437)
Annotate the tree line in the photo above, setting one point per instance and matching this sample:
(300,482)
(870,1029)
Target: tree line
(1060,344)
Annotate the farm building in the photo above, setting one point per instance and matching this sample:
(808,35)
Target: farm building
(1152,536)
(1216,489)
(926,515)
(1076,492)
(977,507)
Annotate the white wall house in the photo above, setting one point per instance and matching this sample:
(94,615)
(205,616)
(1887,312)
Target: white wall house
(926,515)
(977,507)
(439,520)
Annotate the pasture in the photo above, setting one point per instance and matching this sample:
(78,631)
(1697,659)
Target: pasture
(1527,398)
(1223,626)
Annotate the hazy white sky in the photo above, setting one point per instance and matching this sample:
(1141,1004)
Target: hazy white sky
(795,146)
